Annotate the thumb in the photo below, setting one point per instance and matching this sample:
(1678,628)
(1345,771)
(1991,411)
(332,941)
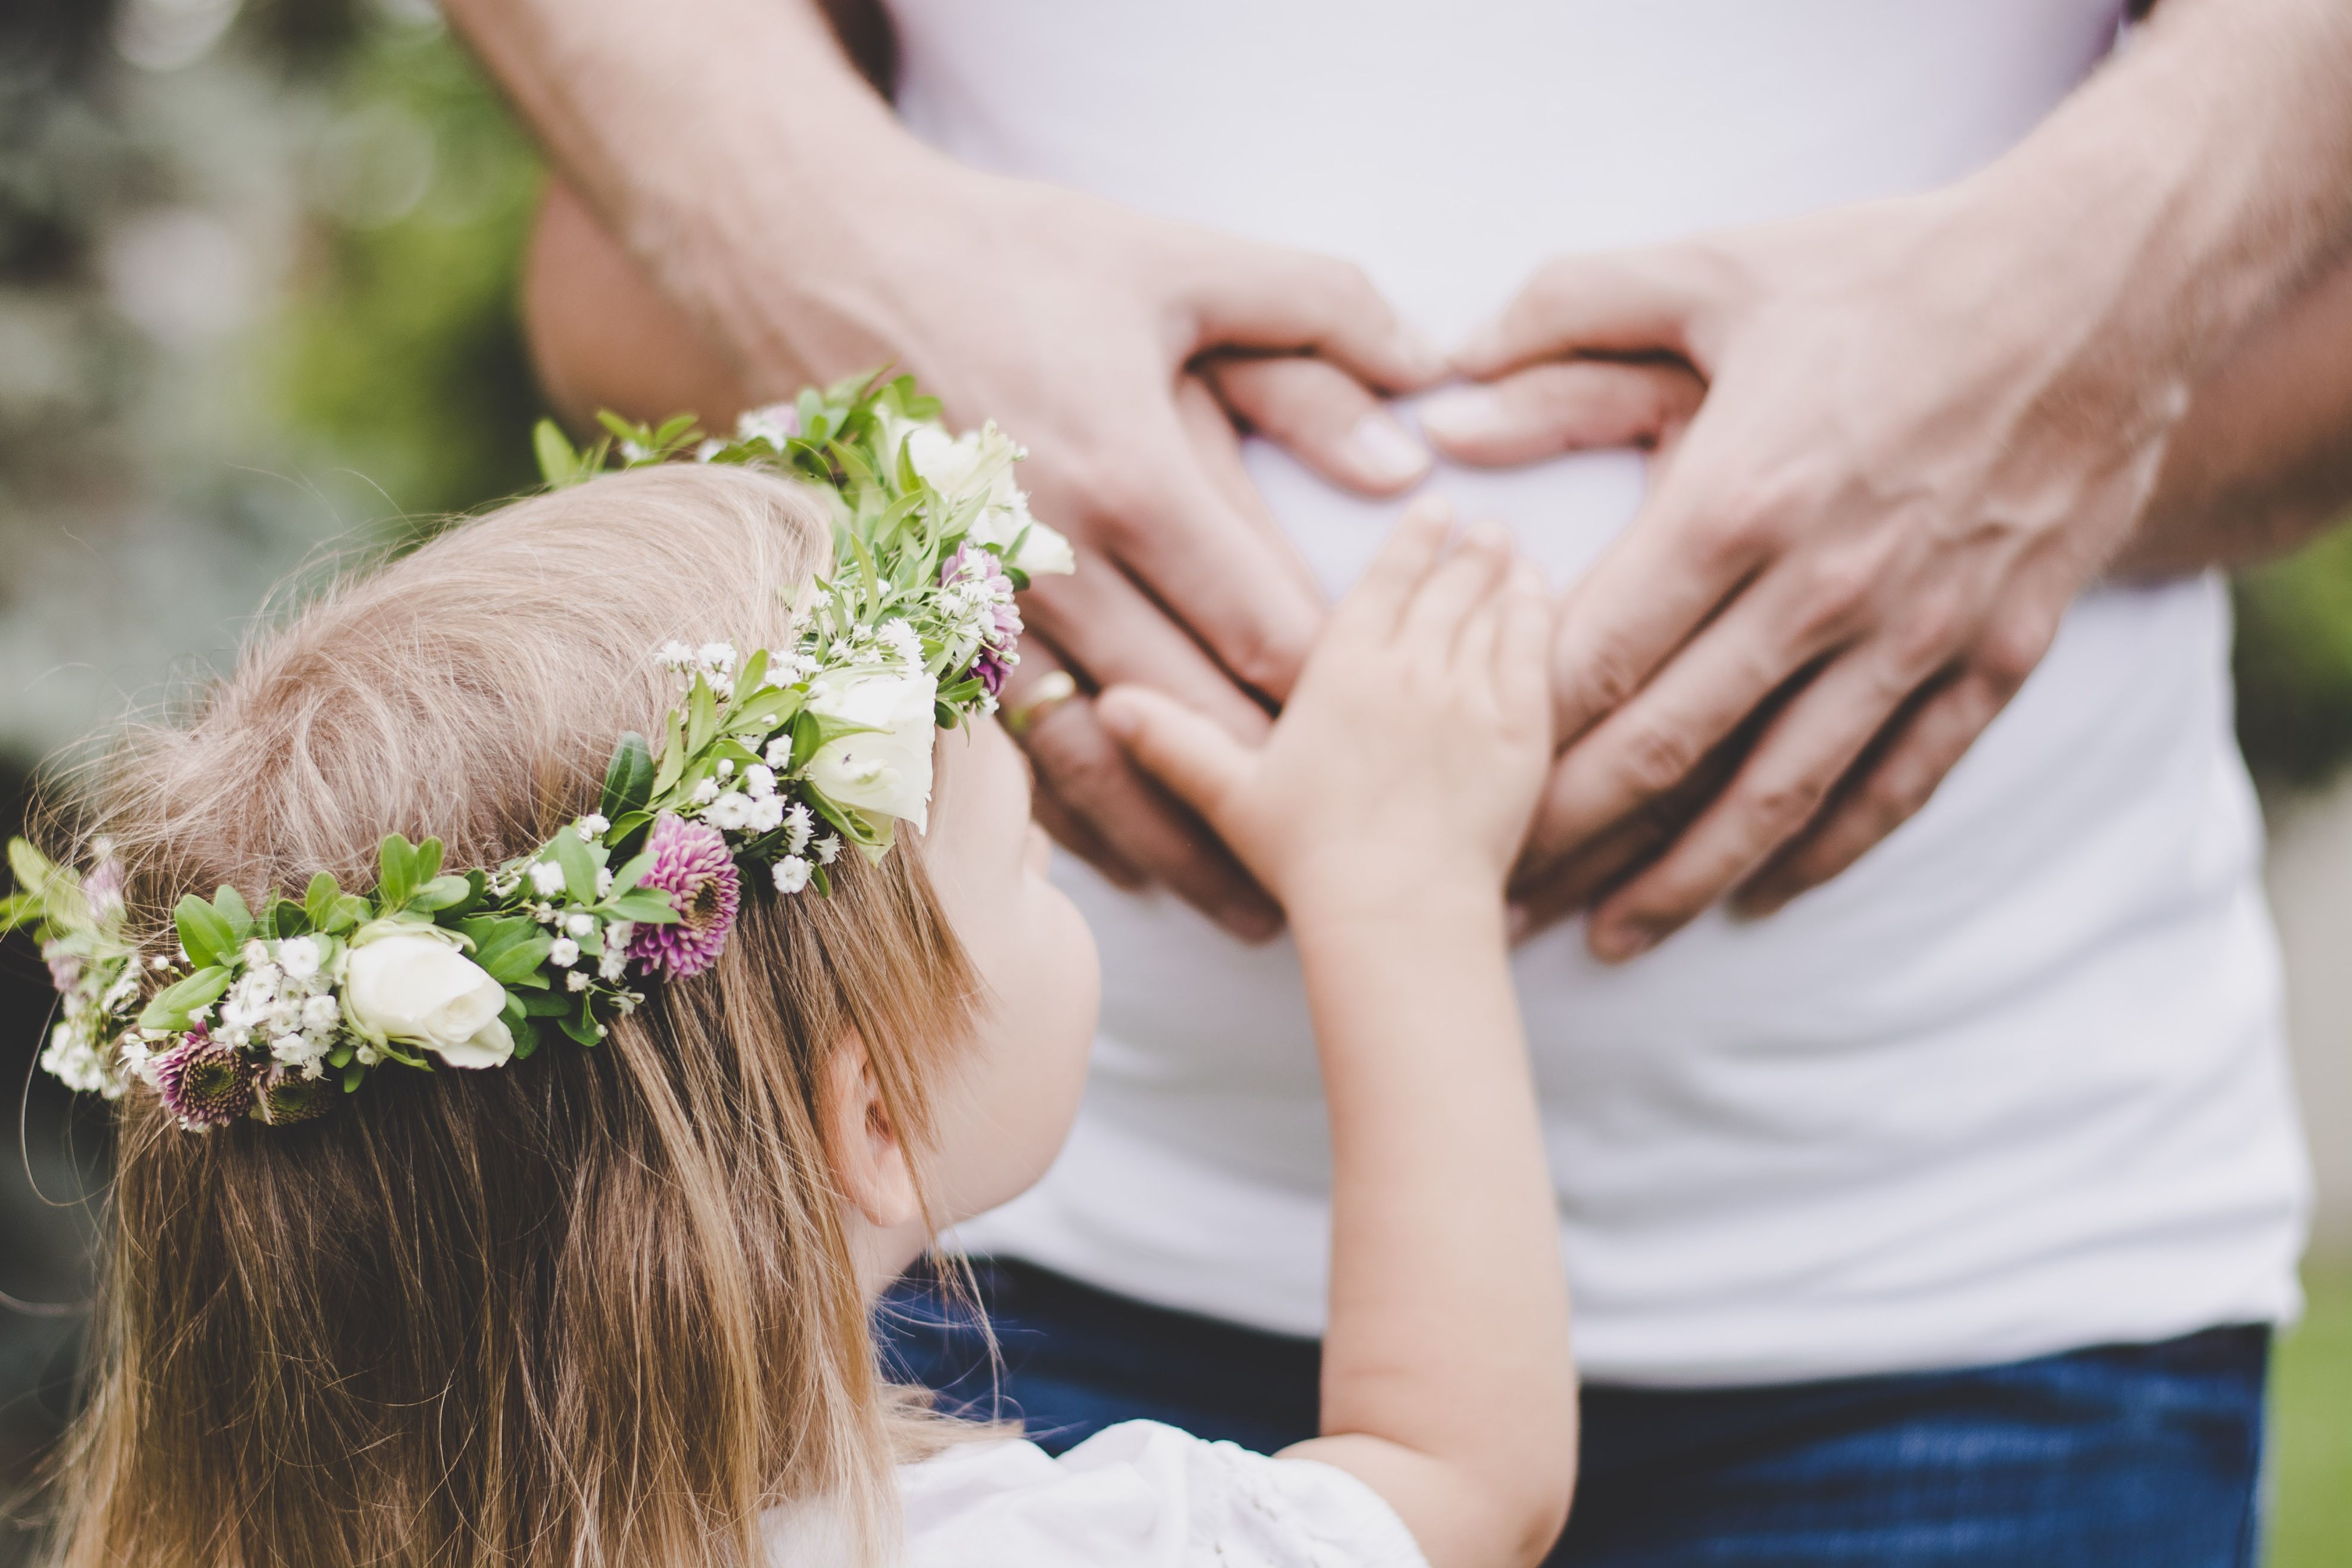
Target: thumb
(1627,302)
(1184,749)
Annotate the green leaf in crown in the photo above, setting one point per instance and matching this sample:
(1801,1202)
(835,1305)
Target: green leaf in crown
(771,762)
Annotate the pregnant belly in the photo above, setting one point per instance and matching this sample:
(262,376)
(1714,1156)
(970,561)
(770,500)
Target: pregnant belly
(1563,512)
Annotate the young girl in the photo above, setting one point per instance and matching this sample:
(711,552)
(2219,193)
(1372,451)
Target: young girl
(717,1047)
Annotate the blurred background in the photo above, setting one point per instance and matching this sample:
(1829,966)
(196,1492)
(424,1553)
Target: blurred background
(258,271)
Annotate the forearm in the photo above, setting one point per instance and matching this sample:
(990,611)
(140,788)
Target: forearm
(1448,1334)
(2264,459)
(2182,194)
(745,137)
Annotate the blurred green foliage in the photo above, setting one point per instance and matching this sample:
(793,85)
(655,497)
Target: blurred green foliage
(2311,1428)
(2293,660)
(402,349)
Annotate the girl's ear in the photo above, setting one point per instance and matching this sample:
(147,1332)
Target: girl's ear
(868,1158)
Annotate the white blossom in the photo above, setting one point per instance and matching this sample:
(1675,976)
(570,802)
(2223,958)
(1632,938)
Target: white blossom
(590,826)
(731,812)
(547,878)
(565,954)
(792,875)
(580,924)
(828,849)
(577,980)
(299,957)
(885,769)
(775,424)
(798,824)
(706,792)
(780,752)
(901,639)
(759,779)
(615,962)
(409,984)
(322,1013)
(604,880)
(767,813)
(675,656)
(255,954)
(716,658)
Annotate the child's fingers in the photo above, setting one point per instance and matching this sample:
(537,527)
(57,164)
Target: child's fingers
(1433,620)
(1474,648)
(1193,756)
(1522,677)
(1379,597)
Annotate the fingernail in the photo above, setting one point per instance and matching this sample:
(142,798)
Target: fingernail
(1421,352)
(1251,922)
(1114,715)
(1463,413)
(1385,450)
(1482,344)
(1621,940)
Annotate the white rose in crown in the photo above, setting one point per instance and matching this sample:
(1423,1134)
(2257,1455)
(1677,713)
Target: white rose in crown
(412,985)
(981,462)
(885,771)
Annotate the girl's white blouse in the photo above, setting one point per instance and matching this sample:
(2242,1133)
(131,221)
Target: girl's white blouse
(1136,1495)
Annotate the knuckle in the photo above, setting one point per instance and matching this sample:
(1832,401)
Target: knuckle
(1924,636)
(1604,679)
(1267,657)
(1747,528)
(1839,588)
(2010,649)
(1656,758)
(1779,805)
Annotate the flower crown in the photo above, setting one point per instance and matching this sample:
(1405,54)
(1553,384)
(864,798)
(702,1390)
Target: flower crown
(771,761)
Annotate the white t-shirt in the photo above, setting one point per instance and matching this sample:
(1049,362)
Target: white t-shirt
(1136,1495)
(2014,1083)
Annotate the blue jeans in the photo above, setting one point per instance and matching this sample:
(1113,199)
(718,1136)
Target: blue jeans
(2140,1455)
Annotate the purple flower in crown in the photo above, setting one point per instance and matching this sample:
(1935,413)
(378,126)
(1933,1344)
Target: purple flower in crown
(65,968)
(103,886)
(995,656)
(691,863)
(205,1083)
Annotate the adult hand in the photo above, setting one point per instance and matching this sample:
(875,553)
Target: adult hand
(1073,323)
(1859,550)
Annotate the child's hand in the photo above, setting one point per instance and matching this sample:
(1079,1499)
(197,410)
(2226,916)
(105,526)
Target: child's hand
(1414,747)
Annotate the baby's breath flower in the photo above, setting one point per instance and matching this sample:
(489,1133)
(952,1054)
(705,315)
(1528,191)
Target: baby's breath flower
(590,826)
(299,957)
(565,954)
(547,878)
(706,792)
(759,779)
(790,873)
(577,980)
(580,924)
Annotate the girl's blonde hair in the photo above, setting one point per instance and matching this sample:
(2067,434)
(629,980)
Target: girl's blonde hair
(591,1308)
